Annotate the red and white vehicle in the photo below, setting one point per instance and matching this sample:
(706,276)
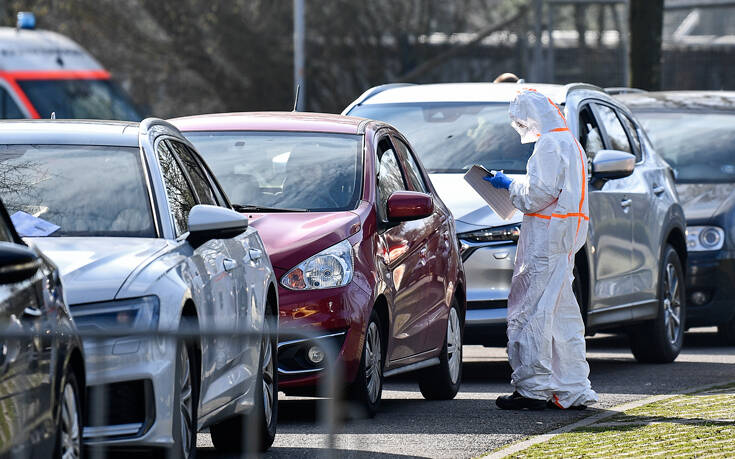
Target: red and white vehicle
(43,72)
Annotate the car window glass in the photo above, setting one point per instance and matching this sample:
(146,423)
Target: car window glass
(633,132)
(5,231)
(179,195)
(412,172)
(390,178)
(196,174)
(616,134)
(589,132)
(9,110)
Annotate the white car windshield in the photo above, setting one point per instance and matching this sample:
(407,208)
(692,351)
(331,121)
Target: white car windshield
(453,136)
(83,190)
(282,171)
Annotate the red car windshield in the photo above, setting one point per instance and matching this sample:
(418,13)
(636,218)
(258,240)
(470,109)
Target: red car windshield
(285,170)
(79,99)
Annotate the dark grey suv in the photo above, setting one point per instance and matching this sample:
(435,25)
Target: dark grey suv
(41,361)
(629,274)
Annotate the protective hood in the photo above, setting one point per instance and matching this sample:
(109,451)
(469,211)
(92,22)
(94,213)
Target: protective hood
(532,115)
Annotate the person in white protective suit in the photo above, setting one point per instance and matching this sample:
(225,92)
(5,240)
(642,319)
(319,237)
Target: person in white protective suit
(546,346)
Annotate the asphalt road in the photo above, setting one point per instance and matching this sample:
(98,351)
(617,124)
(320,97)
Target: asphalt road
(469,425)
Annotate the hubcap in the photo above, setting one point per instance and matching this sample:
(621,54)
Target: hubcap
(454,345)
(672,304)
(268,372)
(186,402)
(373,361)
(71,443)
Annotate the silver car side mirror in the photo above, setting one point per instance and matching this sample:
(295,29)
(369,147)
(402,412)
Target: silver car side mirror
(212,222)
(612,164)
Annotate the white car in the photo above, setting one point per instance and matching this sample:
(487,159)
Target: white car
(145,239)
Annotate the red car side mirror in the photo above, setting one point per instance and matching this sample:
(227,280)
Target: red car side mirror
(409,205)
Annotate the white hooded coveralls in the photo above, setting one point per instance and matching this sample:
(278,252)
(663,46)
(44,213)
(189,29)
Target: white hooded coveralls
(546,346)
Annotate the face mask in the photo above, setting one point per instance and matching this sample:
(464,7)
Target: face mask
(527,135)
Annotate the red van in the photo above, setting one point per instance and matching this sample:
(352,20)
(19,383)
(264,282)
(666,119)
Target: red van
(364,250)
(43,72)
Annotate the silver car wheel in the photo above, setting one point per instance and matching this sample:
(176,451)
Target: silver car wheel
(454,345)
(373,361)
(185,402)
(268,372)
(71,443)
(672,304)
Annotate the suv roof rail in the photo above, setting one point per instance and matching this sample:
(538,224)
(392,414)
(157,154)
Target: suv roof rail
(579,86)
(371,92)
(622,90)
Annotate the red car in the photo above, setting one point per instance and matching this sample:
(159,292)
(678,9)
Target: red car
(364,250)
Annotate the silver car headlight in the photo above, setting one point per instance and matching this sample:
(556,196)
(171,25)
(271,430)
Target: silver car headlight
(702,238)
(330,268)
(120,315)
(508,233)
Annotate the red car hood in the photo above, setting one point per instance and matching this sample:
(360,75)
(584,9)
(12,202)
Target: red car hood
(291,238)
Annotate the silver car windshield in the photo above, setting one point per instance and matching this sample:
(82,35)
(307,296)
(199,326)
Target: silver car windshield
(285,170)
(699,146)
(83,190)
(453,136)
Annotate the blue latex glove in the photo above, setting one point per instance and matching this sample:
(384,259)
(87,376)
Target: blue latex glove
(499,180)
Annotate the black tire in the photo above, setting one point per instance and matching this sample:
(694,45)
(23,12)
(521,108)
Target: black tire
(70,425)
(364,390)
(726,333)
(660,340)
(442,382)
(256,431)
(185,403)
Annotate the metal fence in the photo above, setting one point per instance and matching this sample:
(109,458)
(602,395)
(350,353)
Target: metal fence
(329,406)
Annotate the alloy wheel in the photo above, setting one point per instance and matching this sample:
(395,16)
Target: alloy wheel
(71,443)
(454,345)
(672,304)
(268,379)
(373,361)
(185,402)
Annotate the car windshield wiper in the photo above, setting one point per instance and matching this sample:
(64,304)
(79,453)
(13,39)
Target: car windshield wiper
(242,208)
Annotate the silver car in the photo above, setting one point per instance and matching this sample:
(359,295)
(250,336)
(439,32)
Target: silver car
(629,274)
(146,240)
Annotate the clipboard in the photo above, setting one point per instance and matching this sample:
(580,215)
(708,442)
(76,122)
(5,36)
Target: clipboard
(497,198)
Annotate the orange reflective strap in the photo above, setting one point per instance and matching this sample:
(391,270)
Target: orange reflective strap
(559,129)
(579,215)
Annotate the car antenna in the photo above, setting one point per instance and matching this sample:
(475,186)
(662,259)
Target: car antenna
(296,102)
(53,115)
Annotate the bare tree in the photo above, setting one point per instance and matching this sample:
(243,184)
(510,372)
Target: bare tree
(646,26)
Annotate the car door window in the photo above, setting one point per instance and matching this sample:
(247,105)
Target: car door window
(180,197)
(5,235)
(633,135)
(390,177)
(196,174)
(9,110)
(589,132)
(413,173)
(615,132)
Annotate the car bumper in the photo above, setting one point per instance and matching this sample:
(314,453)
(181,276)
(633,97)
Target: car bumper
(488,270)
(709,278)
(129,385)
(331,319)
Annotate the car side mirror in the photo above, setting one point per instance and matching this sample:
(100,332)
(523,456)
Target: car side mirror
(409,205)
(611,165)
(17,263)
(213,222)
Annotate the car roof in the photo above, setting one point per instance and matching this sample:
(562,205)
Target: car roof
(272,121)
(464,92)
(680,101)
(69,132)
(42,50)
